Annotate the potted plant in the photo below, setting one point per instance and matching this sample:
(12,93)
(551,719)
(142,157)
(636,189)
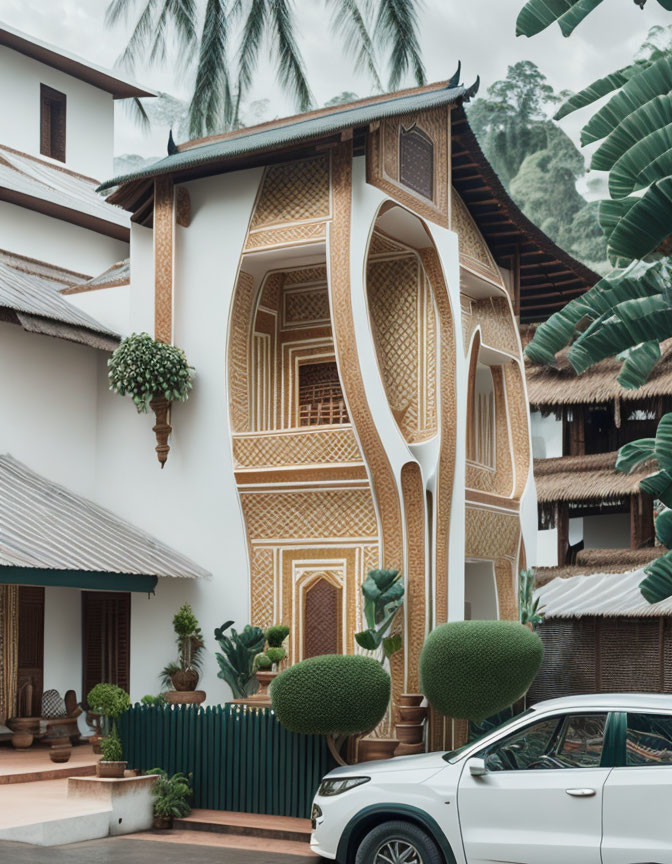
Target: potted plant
(266,664)
(184,673)
(171,797)
(153,374)
(383,592)
(111,702)
(530,613)
(236,662)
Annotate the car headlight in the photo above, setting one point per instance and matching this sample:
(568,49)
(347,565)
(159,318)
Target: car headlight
(338,785)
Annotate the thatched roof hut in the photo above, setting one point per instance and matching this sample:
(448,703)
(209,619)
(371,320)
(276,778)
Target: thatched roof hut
(591,561)
(592,477)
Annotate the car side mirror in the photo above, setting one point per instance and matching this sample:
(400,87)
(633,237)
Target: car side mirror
(477,767)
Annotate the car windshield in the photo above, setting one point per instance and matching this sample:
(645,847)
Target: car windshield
(454,755)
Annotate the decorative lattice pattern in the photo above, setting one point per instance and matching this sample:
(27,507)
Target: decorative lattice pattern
(416,600)
(285,235)
(293,191)
(262,590)
(383,245)
(498,328)
(519,420)
(9,650)
(239,336)
(491,534)
(323,446)
(322,612)
(306,275)
(471,242)
(321,513)
(304,306)
(163,259)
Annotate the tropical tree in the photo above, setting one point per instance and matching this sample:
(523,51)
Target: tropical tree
(629,312)
(201,33)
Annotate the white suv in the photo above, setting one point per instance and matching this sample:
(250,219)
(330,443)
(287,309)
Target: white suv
(581,780)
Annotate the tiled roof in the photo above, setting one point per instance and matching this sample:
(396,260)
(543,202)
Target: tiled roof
(45,525)
(32,178)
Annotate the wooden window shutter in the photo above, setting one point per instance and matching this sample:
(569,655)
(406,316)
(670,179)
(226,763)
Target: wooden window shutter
(322,617)
(53,106)
(106,639)
(31,650)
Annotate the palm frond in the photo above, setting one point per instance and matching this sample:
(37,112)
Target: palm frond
(638,365)
(537,15)
(291,68)
(347,21)
(118,9)
(645,223)
(136,110)
(211,103)
(141,34)
(624,177)
(182,14)
(397,26)
(653,115)
(595,91)
(253,32)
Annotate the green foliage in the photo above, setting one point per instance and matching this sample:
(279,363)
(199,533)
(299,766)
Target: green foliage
(171,794)
(383,592)
(142,368)
(263,662)
(236,662)
(528,607)
(109,700)
(153,701)
(110,747)
(333,694)
(190,645)
(185,623)
(274,653)
(473,669)
(276,635)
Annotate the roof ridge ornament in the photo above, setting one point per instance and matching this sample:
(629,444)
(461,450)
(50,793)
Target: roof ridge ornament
(172,146)
(455,80)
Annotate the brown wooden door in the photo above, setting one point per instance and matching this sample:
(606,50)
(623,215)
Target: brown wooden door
(31,650)
(106,639)
(322,619)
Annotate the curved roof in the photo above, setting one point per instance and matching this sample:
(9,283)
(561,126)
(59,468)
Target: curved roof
(603,594)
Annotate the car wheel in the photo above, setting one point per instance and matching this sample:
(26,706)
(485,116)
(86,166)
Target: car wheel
(398,843)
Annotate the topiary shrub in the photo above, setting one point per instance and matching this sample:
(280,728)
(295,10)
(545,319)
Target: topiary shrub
(473,669)
(332,695)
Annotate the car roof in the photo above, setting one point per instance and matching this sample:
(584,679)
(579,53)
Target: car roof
(614,701)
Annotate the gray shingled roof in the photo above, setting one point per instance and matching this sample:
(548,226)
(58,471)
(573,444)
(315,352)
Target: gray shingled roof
(117,274)
(45,525)
(603,594)
(32,177)
(298,129)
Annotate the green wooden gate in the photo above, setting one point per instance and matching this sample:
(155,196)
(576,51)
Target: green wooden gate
(240,758)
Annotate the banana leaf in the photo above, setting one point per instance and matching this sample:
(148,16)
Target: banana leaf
(653,115)
(658,583)
(654,81)
(592,93)
(656,170)
(664,528)
(666,4)
(537,15)
(610,213)
(645,223)
(624,176)
(631,322)
(639,279)
(638,365)
(664,442)
(658,485)
(634,453)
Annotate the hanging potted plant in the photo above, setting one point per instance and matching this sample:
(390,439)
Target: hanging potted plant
(184,674)
(111,702)
(266,664)
(153,374)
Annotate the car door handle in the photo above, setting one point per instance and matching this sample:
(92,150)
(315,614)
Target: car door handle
(580,793)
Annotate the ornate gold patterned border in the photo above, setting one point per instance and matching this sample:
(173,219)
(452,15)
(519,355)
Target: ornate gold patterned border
(416,590)
(164,231)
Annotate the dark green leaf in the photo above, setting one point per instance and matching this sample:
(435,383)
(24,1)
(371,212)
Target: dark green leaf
(391,644)
(659,486)
(638,365)
(632,454)
(664,528)
(658,583)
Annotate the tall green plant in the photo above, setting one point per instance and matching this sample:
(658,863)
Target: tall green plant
(236,662)
(111,702)
(164,26)
(190,645)
(528,607)
(383,592)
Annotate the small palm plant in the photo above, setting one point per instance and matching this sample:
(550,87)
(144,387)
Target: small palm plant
(236,662)
(528,607)
(172,795)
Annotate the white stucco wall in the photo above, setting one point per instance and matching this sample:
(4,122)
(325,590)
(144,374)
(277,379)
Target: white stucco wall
(481,601)
(63,640)
(29,233)
(109,306)
(546,436)
(89,114)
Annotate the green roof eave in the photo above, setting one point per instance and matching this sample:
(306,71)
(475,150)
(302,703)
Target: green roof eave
(87,580)
(296,132)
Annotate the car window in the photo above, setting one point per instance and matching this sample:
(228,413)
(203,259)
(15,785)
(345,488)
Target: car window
(648,739)
(572,741)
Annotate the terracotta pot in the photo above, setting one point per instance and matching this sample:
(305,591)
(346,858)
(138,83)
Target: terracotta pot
(412,713)
(110,770)
(162,823)
(184,697)
(185,680)
(264,679)
(94,741)
(411,699)
(22,740)
(60,752)
(409,733)
(372,749)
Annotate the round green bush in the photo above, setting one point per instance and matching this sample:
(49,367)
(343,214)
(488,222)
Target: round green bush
(276,635)
(276,655)
(262,662)
(473,669)
(331,695)
(108,700)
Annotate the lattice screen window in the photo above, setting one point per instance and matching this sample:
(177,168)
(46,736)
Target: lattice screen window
(416,161)
(321,401)
(262,404)
(52,122)
(481,429)
(322,619)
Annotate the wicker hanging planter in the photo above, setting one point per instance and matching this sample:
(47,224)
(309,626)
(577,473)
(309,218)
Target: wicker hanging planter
(162,428)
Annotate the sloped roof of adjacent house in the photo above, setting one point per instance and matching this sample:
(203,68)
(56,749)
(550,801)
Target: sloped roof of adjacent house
(38,185)
(35,302)
(550,386)
(118,274)
(121,87)
(44,525)
(589,561)
(585,478)
(600,594)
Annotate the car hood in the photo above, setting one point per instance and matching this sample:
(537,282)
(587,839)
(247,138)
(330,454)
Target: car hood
(423,761)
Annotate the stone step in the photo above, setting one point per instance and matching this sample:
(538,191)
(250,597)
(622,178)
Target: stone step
(246,825)
(280,848)
(56,772)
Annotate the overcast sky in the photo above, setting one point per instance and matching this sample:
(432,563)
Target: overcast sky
(480,33)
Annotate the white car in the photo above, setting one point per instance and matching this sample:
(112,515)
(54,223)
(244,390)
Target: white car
(581,780)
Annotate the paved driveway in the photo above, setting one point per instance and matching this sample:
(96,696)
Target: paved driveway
(114,850)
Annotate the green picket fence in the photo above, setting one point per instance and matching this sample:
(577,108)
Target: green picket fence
(240,758)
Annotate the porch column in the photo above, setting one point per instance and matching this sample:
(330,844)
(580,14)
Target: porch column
(9,649)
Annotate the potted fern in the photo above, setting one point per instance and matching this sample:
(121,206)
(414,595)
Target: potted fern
(153,374)
(171,797)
